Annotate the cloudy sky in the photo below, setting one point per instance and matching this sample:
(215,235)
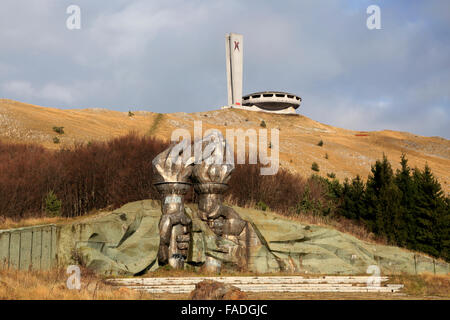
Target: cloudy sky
(169,56)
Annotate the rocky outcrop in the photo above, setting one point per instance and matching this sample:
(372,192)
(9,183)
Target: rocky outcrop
(214,290)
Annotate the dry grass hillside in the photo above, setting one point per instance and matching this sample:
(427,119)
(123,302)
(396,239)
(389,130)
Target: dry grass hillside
(344,152)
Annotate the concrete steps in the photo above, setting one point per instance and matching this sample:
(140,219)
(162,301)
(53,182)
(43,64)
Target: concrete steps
(263,284)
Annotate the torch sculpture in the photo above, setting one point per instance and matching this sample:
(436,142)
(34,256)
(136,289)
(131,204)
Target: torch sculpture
(172,169)
(211,177)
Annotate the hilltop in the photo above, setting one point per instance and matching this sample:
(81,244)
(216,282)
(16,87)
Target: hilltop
(345,153)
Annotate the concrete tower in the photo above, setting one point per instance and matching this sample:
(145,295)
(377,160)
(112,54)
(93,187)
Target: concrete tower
(265,101)
(234,47)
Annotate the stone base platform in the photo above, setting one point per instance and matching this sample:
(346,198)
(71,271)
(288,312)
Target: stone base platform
(264,284)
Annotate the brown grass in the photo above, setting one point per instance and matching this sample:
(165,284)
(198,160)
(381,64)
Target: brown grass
(8,223)
(51,285)
(425,284)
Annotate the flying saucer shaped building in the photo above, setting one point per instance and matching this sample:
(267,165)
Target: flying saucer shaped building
(272,100)
(267,101)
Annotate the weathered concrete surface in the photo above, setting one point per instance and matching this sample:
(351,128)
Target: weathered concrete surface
(289,110)
(257,284)
(126,242)
(323,250)
(29,248)
(234,62)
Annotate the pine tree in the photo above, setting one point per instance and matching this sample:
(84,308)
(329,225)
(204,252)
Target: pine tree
(405,226)
(352,195)
(52,204)
(444,223)
(432,211)
(407,208)
(382,201)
